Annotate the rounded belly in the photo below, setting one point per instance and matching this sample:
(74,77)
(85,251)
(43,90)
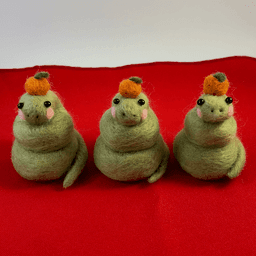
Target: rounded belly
(127,166)
(33,165)
(206,163)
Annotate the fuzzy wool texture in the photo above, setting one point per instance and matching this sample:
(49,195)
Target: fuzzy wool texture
(216,84)
(130,88)
(130,146)
(41,74)
(207,147)
(37,86)
(46,144)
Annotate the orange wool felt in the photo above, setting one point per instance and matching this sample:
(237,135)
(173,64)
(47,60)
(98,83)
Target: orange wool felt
(214,87)
(129,89)
(35,86)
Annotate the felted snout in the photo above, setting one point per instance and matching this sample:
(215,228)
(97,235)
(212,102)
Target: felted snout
(35,115)
(128,112)
(35,110)
(214,108)
(129,109)
(212,114)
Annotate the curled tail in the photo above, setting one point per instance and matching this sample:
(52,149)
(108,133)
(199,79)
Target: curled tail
(79,162)
(239,164)
(162,167)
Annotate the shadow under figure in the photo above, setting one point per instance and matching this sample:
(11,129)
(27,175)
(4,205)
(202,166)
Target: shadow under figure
(130,146)
(207,147)
(46,144)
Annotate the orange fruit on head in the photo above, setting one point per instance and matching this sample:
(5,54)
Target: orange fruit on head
(130,88)
(216,84)
(38,85)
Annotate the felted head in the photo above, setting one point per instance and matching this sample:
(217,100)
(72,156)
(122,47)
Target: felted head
(38,104)
(130,106)
(214,105)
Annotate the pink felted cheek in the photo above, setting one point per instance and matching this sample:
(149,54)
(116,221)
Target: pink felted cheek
(199,113)
(21,115)
(230,111)
(113,112)
(50,113)
(144,114)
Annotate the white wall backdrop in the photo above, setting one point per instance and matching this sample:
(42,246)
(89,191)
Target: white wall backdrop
(109,33)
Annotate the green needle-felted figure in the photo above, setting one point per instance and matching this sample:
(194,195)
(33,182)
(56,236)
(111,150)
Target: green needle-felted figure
(46,144)
(130,146)
(207,147)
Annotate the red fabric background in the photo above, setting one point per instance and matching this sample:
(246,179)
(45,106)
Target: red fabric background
(177,215)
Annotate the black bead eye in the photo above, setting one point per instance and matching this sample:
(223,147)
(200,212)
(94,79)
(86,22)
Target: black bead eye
(20,105)
(47,104)
(116,101)
(229,100)
(141,102)
(200,102)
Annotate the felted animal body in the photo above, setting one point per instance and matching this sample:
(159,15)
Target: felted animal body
(207,147)
(130,146)
(46,144)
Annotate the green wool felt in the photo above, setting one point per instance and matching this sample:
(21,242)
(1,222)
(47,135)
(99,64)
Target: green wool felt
(41,75)
(129,147)
(220,76)
(136,79)
(207,147)
(46,149)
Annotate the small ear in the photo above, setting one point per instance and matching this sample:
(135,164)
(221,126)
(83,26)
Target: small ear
(144,114)
(199,113)
(113,111)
